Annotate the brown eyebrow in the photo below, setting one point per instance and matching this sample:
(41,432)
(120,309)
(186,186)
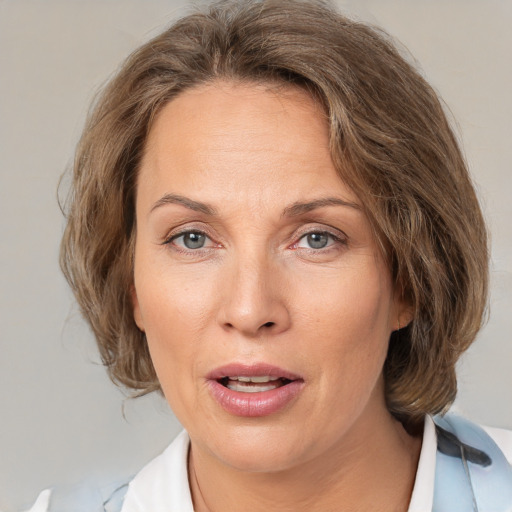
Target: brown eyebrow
(186,202)
(298,208)
(301,208)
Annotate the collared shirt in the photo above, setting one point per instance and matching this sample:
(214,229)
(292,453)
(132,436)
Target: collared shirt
(150,491)
(162,485)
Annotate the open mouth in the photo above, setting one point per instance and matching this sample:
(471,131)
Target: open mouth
(254,390)
(255,384)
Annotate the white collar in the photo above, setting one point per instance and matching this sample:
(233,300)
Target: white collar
(162,485)
(422,498)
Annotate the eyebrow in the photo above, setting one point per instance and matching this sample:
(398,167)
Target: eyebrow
(296,209)
(196,206)
(299,208)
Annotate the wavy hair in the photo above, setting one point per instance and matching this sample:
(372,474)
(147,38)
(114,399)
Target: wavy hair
(390,141)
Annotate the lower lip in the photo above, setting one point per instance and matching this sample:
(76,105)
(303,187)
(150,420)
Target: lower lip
(254,404)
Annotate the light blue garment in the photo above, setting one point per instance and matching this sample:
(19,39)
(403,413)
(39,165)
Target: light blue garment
(88,497)
(472,475)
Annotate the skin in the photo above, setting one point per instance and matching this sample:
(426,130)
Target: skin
(258,292)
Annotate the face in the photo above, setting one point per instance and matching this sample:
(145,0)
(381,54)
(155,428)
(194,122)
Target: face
(265,301)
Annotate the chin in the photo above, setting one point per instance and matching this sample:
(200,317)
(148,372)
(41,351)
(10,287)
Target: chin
(259,449)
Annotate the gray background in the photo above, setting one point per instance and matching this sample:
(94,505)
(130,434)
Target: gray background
(61,418)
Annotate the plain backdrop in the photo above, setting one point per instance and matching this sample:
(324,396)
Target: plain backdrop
(61,418)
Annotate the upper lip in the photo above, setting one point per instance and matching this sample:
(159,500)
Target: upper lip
(251,370)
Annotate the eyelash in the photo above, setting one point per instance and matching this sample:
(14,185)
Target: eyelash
(336,239)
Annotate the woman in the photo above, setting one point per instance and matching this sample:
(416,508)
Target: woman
(272,223)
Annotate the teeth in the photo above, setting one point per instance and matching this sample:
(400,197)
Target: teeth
(245,387)
(257,384)
(259,379)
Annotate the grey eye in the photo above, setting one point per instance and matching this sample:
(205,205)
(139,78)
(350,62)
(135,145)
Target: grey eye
(194,240)
(317,240)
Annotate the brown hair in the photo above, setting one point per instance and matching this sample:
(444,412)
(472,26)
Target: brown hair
(390,141)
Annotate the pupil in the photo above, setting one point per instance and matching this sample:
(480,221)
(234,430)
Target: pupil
(317,240)
(194,240)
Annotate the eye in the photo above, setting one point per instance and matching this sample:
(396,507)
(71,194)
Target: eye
(190,240)
(316,240)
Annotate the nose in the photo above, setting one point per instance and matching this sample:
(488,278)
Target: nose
(254,302)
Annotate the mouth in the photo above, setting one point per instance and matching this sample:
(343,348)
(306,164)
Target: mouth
(254,390)
(253,384)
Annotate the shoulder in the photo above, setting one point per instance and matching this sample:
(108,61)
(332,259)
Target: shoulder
(163,480)
(42,502)
(471,463)
(503,438)
(85,497)
(475,435)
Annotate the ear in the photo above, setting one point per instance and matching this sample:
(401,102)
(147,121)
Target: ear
(405,316)
(137,316)
(403,310)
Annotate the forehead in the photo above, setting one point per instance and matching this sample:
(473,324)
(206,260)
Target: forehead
(229,138)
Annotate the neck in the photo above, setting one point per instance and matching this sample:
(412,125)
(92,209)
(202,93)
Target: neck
(375,463)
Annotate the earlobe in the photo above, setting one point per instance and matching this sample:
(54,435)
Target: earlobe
(403,310)
(405,317)
(136,308)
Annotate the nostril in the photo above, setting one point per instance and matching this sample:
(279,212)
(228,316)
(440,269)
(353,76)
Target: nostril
(268,324)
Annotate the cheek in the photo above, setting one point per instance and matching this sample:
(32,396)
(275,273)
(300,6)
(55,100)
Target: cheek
(174,308)
(173,328)
(179,305)
(348,319)
(170,296)
(351,302)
